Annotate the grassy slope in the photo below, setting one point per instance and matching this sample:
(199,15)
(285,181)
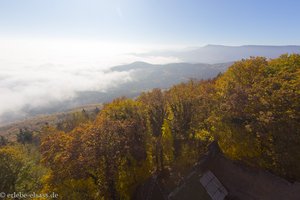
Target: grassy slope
(35,123)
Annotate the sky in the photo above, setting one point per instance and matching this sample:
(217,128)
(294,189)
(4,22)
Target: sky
(52,49)
(179,22)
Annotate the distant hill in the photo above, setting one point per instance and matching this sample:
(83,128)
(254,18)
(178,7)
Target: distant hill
(144,76)
(147,76)
(221,54)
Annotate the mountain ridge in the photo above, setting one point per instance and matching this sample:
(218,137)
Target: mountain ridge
(213,53)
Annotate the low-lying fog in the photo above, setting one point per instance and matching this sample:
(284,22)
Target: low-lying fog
(36,73)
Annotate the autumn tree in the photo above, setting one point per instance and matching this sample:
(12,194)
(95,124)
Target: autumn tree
(63,154)
(3,141)
(190,108)
(20,169)
(25,136)
(116,140)
(257,114)
(72,120)
(155,105)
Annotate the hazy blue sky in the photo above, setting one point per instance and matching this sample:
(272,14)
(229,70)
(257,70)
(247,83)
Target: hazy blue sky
(185,22)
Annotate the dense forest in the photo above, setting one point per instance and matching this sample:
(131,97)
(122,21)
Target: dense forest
(252,110)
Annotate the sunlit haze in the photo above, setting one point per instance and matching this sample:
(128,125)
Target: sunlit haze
(50,50)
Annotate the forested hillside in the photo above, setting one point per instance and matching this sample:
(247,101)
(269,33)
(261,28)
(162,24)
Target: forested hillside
(252,110)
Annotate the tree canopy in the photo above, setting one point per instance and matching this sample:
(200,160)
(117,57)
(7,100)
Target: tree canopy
(252,110)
